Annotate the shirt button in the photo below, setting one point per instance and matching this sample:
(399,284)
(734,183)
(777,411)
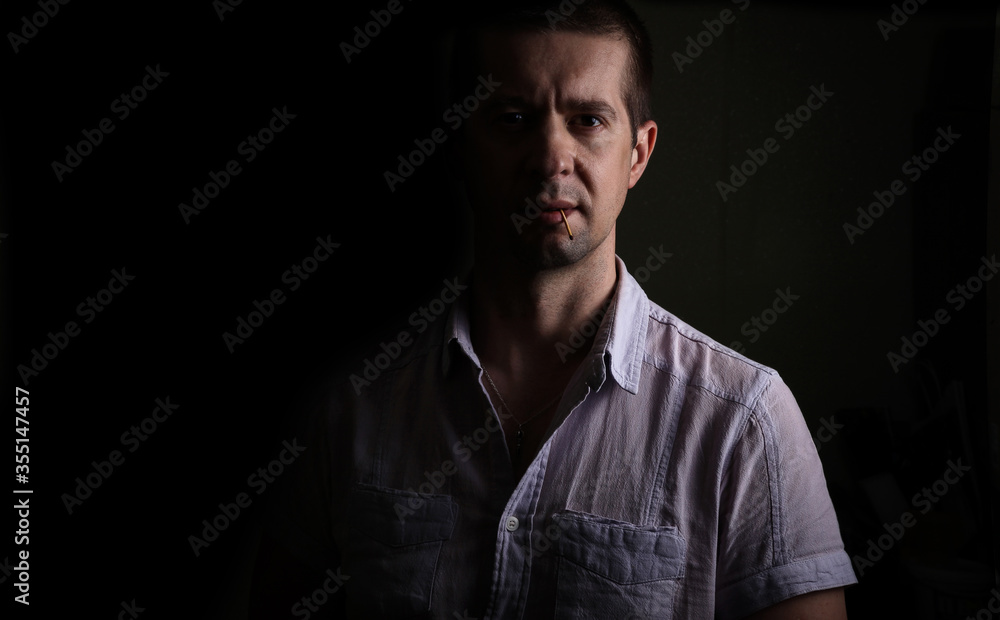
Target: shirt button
(512,524)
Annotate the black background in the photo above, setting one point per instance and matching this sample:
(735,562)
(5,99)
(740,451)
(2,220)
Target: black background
(323,176)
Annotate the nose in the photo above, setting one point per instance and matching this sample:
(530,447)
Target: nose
(553,150)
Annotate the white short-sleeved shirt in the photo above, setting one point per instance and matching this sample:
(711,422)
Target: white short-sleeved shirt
(678,480)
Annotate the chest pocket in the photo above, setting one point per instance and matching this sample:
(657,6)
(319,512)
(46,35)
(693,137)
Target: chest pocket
(392,554)
(610,569)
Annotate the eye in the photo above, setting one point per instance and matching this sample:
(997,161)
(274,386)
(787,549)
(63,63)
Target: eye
(589,120)
(510,118)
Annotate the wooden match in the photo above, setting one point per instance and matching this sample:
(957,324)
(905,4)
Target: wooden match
(565,221)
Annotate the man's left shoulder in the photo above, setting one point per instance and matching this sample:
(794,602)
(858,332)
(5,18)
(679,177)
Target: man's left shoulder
(696,360)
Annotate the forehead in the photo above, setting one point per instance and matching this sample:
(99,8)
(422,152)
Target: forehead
(542,66)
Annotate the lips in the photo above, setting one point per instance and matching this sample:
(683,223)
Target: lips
(552,211)
(556,205)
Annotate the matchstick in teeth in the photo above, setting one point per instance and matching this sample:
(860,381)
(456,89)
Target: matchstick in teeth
(565,221)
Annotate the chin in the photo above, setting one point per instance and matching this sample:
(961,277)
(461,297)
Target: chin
(555,253)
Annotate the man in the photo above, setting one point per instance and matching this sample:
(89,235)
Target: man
(497,470)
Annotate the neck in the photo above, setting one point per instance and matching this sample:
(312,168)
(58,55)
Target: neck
(520,315)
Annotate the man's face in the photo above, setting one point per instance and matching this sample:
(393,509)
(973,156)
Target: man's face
(556,132)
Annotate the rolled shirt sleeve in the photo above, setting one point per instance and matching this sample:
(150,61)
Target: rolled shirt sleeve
(778,532)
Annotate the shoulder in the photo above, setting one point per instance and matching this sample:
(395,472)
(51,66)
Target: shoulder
(409,350)
(687,356)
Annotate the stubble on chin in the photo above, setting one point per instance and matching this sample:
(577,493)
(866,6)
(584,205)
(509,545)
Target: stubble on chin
(551,253)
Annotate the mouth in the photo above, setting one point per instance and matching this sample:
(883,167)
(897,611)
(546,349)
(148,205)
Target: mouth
(556,205)
(552,211)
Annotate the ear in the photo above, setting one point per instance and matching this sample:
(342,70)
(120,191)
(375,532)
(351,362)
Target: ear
(645,139)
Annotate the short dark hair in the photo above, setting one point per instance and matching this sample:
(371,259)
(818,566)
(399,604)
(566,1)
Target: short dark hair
(613,18)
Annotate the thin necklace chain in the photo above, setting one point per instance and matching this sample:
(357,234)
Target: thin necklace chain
(519,436)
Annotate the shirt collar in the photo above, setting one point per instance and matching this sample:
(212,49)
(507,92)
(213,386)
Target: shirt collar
(620,338)
(626,324)
(457,330)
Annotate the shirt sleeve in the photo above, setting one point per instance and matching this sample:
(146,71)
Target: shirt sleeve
(778,532)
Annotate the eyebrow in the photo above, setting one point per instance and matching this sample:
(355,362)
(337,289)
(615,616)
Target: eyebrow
(598,106)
